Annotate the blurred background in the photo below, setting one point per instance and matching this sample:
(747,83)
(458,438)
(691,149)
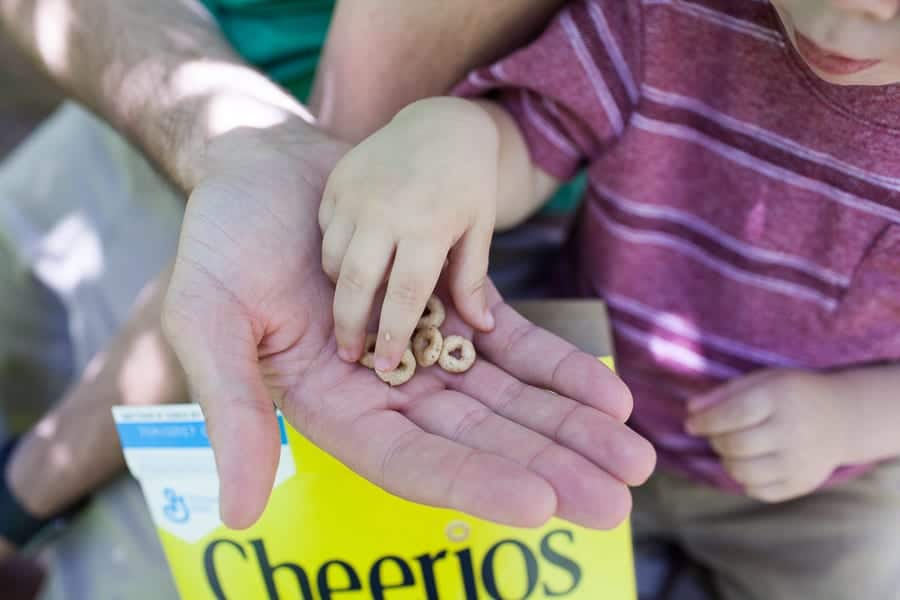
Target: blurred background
(26,98)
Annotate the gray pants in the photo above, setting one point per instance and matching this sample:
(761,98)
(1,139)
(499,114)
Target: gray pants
(84,224)
(839,544)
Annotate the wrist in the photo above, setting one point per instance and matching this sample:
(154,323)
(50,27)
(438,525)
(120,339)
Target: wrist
(20,482)
(457,119)
(223,107)
(864,413)
(461,136)
(450,110)
(837,423)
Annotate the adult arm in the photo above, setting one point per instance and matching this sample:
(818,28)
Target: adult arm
(384,54)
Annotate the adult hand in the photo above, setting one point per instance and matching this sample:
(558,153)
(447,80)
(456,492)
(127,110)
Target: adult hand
(249,315)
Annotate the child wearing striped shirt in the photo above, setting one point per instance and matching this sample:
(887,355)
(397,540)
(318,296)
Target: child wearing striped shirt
(742,224)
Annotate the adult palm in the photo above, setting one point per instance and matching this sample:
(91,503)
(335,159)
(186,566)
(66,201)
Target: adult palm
(249,313)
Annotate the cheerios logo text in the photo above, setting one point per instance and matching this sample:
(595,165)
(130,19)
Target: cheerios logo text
(338,578)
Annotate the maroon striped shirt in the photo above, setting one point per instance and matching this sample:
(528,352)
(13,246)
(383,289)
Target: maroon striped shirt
(741,213)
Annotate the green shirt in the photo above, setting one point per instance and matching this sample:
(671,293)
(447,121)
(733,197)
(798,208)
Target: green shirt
(282,38)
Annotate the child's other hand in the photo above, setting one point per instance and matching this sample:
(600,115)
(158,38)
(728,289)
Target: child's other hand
(422,187)
(780,433)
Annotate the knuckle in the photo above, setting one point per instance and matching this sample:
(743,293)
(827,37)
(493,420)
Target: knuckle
(476,286)
(562,371)
(330,271)
(774,432)
(511,393)
(519,336)
(729,465)
(736,471)
(750,473)
(345,328)
(761,401)
(762,408)
(330,247)
(354,278)
(739,410)
(700,423)
(405,292)
(346,320)
(724,444)
(326,209)
(330,264)
(470,422)
(570,423)
(737,445)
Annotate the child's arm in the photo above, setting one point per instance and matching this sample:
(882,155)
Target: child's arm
(433,183)
(782,433)
(522,187)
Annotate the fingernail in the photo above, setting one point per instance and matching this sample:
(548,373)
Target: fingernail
(382,363)
(345,354)
(489,318)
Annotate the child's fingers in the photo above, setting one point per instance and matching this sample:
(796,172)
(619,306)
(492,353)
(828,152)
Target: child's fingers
(368,257)
(468,276)
(732,414)
(734,387)
(417,267)
(756,472)
(334,246)
(747,443)
(326,207)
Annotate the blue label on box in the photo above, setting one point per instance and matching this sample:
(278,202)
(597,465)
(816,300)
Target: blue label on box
(177,434)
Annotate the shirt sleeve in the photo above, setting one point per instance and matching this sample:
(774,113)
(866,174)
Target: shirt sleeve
(571,91)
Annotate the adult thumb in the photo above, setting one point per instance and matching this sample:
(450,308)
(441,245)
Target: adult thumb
(219,355)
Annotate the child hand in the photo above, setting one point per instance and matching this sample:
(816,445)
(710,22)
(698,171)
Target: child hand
(422,187)
(779,433)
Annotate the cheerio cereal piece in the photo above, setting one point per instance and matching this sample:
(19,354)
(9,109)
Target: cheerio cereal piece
(403,373)
(426,346)
(434,314)
(453,345)
(368,357)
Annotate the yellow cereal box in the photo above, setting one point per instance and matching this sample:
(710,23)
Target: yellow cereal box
(330,534)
